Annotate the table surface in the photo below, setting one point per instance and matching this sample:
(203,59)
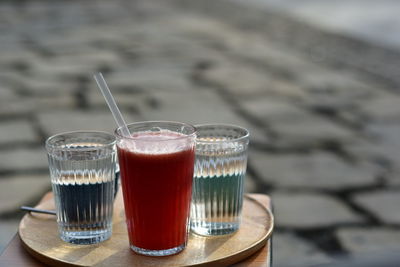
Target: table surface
(16,255)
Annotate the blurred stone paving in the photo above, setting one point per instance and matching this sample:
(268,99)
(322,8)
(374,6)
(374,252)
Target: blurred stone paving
(323,110)
(376,21)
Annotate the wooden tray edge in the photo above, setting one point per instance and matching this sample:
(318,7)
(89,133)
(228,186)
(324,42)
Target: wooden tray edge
(243,254)
(226,261)
(43,258)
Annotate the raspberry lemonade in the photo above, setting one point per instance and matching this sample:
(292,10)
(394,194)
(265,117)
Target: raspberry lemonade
(157,163)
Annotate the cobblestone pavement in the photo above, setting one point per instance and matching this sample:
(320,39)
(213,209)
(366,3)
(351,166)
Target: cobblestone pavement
(323,110)
(376,21)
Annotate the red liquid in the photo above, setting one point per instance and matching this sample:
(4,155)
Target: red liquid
(157,191)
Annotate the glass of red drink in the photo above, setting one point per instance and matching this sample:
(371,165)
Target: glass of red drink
(156,163)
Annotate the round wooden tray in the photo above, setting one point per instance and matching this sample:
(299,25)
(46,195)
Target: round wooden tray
(39,235)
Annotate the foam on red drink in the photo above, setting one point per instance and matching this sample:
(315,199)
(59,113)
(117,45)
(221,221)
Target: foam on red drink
(157,186)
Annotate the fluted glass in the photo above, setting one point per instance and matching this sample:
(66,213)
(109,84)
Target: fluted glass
(82,169)
(220,168)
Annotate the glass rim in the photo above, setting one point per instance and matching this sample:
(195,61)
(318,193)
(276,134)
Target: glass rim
(229,126)
(185,136)
(100,146)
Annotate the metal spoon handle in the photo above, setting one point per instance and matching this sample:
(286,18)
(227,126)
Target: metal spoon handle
(51,212)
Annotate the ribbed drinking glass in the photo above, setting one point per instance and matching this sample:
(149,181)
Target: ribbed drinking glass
(82,169)
(220,168)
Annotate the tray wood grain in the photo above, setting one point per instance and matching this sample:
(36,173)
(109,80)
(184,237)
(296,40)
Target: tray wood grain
(39,236)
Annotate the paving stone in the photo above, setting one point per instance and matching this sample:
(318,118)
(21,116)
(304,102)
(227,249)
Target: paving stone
(386,108)
(63,69)
(240,80)
(387,133)
(10,78)
(335,83)
(177,38)
(17,106)
(270,110)
(149,77)
(6,93)
(318,170)
(284,62)
(124,99)
(198,108)
(277,60)
(28,105)
(167,46)
(261,48)
(310,210)
(8,228)
(19,56)
(95,57)
(294,125)
(286,89)
(36,85)
(383,203)
(181,48)
(351,116)
(68,120)
(290,250)
(7,13)
(206,106)
(309,39)
(23,159)
(338,95)
(383,144)
(16,191)
(367,240)
(310,131)
(387,155)
(393,181)
(207,32)
(52,102)
(17,131)
(355,18)
(298,68)
(249,184)
(328,102)
(56,18)
(367,149)
(68,46)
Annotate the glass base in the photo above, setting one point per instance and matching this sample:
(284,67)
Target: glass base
(85,237)
(211,229)
(165,252)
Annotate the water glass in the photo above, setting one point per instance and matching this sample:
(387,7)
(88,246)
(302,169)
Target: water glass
(220,168)
(157,162)
(82,169)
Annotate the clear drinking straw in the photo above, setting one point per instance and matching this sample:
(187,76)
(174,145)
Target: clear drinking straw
(111,104)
